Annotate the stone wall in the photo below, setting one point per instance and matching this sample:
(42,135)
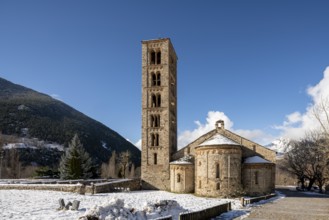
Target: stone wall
(115,186)
(105,187)
(182,178)
(76,188)
(218,170)
(258,179)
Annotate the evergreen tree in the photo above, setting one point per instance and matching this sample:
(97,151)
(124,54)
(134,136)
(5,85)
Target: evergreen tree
(76,162)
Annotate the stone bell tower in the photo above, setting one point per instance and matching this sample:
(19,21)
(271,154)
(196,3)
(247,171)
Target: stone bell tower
(159,112)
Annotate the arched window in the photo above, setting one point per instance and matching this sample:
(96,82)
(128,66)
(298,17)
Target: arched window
(153,140)
(158,100)
(153,57)
(178,178)
(157,121)
(155,158)
(152,121)
(218,186)
(154,79)
(155,100)
(158,79)
(217,170)
(158,58)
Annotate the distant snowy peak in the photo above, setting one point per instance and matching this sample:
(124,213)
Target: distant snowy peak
(281,145)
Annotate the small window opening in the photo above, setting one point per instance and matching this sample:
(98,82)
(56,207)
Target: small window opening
(256,177)
(158,79)
(157,121)
(199,184)
(154,80)
(178,178)
(155,158)
(152,57)
(152,140)
(156,140)
(254,147)
(217,170)
(152,121)
(154,100)
(158,58)
(158,100)
(218,186)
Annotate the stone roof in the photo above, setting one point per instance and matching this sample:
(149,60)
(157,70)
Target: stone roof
(256,159)
(218,139)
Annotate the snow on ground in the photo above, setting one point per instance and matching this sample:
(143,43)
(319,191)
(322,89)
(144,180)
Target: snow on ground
(29,204)
(245,211)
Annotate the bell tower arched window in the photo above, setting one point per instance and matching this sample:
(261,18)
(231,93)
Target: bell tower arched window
(154,140)
(155,79)
(155,100)
(155,121)
(155,57)
(158,79)
(158,100)
(158,58)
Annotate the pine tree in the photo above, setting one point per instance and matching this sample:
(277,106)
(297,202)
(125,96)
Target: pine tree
(76,162)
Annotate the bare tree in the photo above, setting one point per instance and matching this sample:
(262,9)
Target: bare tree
(308,160)
(108,170)
(321,113)
(124,162)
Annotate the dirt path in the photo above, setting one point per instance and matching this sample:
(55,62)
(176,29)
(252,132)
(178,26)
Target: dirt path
(296,205)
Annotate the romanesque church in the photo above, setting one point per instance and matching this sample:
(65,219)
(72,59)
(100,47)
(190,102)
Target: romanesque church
(217,164)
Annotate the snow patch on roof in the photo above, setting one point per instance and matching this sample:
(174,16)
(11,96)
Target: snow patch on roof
(187,159)
(218,139)
(256,159)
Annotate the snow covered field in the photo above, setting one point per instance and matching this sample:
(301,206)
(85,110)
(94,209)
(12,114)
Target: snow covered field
(29,204)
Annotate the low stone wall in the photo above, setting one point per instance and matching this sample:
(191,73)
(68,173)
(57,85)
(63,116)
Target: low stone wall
(114,186)
(206,213)
(245,201)
(76,188)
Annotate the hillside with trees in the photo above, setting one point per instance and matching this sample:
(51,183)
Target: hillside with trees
(30,116)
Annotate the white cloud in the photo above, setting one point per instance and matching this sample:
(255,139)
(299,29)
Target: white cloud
(188,136)
(298,124)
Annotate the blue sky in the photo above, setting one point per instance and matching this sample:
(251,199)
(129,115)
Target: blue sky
(250,61)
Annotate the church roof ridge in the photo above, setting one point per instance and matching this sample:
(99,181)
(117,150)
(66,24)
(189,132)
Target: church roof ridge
(218,139)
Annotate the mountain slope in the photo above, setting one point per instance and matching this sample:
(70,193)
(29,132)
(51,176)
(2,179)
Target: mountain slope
(25,112)
(281,146)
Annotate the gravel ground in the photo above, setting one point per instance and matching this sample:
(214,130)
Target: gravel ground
(296,205)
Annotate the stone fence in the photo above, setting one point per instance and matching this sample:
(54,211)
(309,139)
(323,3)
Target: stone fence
(114,186)
(246,201)
(78,186)
(206,213)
